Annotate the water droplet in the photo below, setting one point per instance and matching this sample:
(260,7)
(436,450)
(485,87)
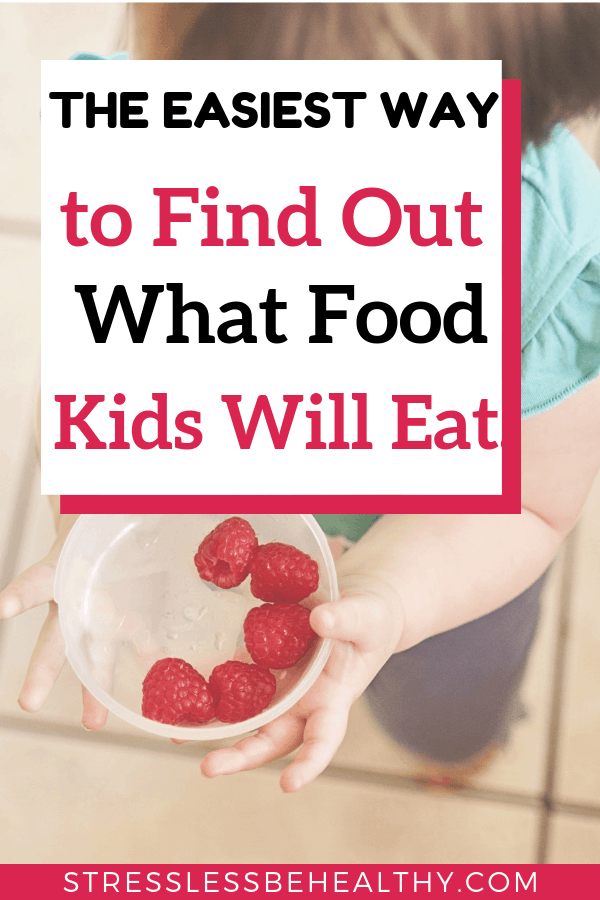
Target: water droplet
(191,613)
(193,646)
(219,640)
(172,635)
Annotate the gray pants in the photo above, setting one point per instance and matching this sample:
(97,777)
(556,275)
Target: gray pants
(453,694)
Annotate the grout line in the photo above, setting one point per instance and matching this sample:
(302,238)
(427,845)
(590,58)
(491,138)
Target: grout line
(31,726)
(407,783)
(192,750)
(573,808)
(19,228)
(558,688)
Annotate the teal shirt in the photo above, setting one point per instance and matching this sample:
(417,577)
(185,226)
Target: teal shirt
(352,527)
(560,282)
(560,272)
(85,55)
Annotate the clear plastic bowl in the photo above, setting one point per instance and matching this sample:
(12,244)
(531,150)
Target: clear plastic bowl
(128,594)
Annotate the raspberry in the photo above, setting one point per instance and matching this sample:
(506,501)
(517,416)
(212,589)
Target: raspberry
(278,635)
(174,693)
(281,573)
(241,690)
(224,556)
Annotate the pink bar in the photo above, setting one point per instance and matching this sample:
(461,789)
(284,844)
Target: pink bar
(548,882)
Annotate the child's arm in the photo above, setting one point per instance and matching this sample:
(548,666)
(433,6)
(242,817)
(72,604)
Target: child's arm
(411,577)
(451,569)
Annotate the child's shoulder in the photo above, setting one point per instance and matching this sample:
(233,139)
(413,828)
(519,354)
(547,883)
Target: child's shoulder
(561,184)
(560,305)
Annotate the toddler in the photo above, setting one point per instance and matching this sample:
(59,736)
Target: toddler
(437,612)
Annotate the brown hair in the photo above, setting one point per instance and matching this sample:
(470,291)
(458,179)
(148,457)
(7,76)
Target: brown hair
(554,48)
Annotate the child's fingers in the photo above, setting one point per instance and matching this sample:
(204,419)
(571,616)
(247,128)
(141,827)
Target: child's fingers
(35,585)
(323,734)
(47,660)
(274,740)
(94,713)
(364,621)
(32,588)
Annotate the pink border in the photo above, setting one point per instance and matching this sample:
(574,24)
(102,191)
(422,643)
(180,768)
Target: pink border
(507,502)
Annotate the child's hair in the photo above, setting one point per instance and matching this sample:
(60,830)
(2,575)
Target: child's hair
(554,48)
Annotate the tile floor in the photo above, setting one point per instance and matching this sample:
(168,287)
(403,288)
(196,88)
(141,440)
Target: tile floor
(62,789)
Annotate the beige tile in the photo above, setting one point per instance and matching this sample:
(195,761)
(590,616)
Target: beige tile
(520,766)
(574,839)
(38,535)
(19,309)
(19,372)
(578,776)
(65,801)
(366,746)
(30,32)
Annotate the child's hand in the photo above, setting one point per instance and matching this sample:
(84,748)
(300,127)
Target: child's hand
(366,626)
(32,588)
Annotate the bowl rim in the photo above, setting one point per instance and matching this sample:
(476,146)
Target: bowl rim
(211,732)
